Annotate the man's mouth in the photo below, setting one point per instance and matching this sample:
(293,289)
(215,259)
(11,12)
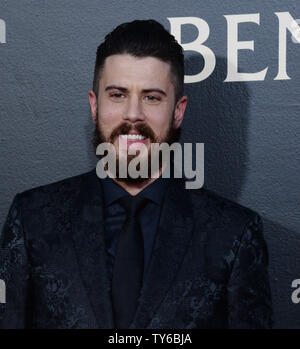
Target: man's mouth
(133,137)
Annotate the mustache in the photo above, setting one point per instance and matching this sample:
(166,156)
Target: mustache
(124,128)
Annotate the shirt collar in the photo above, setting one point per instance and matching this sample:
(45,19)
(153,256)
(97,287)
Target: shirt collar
(113,191)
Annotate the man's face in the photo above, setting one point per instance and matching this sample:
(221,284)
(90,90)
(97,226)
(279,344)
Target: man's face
(136,101)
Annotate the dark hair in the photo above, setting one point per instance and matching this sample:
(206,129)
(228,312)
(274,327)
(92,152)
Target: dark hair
(142,38)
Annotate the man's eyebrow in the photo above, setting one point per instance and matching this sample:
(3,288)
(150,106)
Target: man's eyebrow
(124,89)
(155,90)
(114,87)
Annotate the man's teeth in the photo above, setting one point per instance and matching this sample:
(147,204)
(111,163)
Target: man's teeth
(139,137)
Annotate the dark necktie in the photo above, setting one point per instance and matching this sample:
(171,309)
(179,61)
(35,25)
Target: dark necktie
(129,263)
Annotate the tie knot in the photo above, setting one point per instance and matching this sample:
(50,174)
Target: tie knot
(133,204)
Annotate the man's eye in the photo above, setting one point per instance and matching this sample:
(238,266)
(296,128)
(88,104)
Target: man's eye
(117,95)
(152,98)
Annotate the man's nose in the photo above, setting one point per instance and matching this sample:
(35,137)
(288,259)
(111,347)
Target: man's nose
(133,111)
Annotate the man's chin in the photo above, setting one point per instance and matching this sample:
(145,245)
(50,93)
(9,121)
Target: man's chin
(127,166)
(129,180)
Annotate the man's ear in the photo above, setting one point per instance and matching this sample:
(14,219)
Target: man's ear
(179,111)
(93,104)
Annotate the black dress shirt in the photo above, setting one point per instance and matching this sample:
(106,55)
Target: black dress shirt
(115,216)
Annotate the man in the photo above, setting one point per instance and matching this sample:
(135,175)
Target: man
(87,252)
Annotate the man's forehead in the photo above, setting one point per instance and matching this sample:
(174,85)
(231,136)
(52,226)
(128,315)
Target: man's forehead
(130,68)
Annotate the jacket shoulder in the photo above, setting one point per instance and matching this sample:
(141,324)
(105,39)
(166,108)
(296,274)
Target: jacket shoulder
(223,223)
(221,208)
(59,191)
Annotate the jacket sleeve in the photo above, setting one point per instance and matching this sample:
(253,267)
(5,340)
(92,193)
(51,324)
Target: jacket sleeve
(14,271)
(249,294)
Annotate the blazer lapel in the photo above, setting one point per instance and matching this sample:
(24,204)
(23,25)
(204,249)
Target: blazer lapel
(170,245)
(88,237)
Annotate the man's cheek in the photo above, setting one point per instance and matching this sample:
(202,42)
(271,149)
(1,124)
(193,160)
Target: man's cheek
(108,124)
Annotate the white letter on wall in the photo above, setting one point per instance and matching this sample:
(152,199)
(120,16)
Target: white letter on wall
(233,46)
(286,21)
(196,45)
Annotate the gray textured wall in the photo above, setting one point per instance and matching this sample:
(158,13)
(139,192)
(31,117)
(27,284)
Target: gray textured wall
(249,128)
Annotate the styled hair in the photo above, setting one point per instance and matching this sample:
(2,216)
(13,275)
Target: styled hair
(142,38)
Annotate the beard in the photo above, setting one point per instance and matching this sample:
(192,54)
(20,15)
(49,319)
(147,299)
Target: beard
(171,135)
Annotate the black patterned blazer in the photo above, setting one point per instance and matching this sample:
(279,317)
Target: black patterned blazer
(208,267)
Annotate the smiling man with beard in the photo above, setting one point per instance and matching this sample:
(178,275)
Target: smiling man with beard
(140,132)
(90,252)
(136,99)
